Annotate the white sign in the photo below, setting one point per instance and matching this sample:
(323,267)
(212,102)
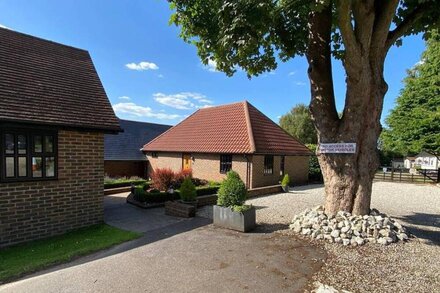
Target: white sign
(337,148)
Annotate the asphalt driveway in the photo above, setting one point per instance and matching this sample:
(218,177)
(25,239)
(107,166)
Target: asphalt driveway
(181,255)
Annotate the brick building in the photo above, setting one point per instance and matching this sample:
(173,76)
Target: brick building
(122,152)
(236,137)
(53,116)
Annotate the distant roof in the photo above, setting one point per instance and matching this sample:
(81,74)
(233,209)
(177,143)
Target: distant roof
(237,128)
(42,82)
(126,146)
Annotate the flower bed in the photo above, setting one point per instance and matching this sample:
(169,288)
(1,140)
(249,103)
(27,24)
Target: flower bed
(122,182)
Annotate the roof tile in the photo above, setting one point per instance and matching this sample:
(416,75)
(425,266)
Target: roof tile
(44,82)
(237,128)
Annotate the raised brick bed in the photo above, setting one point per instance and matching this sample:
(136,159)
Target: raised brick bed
(178,209)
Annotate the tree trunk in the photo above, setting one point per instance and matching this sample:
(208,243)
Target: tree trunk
(348,178)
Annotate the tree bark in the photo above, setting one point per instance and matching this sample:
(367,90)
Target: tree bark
(348,178)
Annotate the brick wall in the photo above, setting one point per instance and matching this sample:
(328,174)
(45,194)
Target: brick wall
(125,168)
(296,166)
(31,210)
(207,166)
(260,179)
(204,166)
(298,169)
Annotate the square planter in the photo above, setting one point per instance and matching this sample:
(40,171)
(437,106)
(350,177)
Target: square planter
(179,209)
(227,218)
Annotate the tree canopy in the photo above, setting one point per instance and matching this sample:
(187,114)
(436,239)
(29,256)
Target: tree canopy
(299,124)
(414,124)
(251,34)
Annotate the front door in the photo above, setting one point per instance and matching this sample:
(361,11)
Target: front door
(186,162)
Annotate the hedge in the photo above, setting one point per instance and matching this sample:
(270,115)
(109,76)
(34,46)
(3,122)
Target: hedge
(124,183)
(156,197)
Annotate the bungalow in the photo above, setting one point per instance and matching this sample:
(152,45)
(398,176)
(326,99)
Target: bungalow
(427,160)
(237,137)
(53,116)
(122,153)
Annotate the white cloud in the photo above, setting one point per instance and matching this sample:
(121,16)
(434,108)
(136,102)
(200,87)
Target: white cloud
(160,76)
(211,66)
(419,63)
(144,65)
(140,111)
(183,100)
(300,83)
(125,98)
(291,73)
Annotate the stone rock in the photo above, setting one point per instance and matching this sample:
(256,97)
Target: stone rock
(402,236)
(335,233)
(348,229)
(306,232)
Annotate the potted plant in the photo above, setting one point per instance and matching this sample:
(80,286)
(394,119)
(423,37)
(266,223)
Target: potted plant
(285,183)
(230,211)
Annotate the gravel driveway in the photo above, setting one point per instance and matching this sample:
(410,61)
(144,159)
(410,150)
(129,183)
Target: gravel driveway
(406,267)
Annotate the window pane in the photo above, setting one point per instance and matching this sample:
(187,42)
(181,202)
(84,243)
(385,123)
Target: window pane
(48,144)
(38,144)
(37,167)
(21,140)
(9,144)
(10,167)
(22,166)
(50,167)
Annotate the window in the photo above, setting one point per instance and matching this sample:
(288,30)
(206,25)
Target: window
(268,165)
(282,162)
(27,155)
(225,163)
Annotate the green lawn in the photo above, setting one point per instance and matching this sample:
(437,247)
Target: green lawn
(29,257)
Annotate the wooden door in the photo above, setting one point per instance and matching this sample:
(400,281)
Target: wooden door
(186,162)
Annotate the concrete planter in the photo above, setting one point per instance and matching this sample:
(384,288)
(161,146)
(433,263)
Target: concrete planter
(227,218)
(285,188)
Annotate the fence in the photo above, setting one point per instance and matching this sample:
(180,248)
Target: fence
(404,175)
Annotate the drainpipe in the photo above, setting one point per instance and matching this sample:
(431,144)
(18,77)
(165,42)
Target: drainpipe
(248,175)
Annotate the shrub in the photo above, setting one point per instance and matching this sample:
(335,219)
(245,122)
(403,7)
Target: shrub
(180,176)
(232,191)
(153,197)
(206,190)
(187,190)
(163,178)
(286,180)
(242,208)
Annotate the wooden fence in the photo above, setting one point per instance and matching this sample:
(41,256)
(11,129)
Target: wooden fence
(404,175)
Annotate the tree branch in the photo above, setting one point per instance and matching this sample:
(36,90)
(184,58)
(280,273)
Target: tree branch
(346,27)
(406,24)
(385,11)
(322,104)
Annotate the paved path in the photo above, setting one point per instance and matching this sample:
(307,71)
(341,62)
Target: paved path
(178,255)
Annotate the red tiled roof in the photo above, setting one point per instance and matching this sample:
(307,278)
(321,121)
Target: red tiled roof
(43,82)
(237,128)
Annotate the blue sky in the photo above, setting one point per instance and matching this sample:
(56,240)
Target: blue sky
(171,82)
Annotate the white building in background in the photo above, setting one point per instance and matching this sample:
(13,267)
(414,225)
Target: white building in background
(426,161)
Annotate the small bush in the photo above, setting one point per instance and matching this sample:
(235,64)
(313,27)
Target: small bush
(163,178)
(153,197)
(242,208)
(206,190)
(187,190)
(232,191)
(286,180)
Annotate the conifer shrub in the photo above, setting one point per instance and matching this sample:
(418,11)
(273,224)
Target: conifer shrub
(232,191)
(187,190)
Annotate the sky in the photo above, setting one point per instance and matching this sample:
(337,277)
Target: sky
(152,75)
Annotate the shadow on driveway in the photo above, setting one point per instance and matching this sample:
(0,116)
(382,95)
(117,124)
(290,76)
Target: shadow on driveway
(424,226)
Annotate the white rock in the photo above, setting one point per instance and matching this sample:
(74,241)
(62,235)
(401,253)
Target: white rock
(335,233)
(345,242)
